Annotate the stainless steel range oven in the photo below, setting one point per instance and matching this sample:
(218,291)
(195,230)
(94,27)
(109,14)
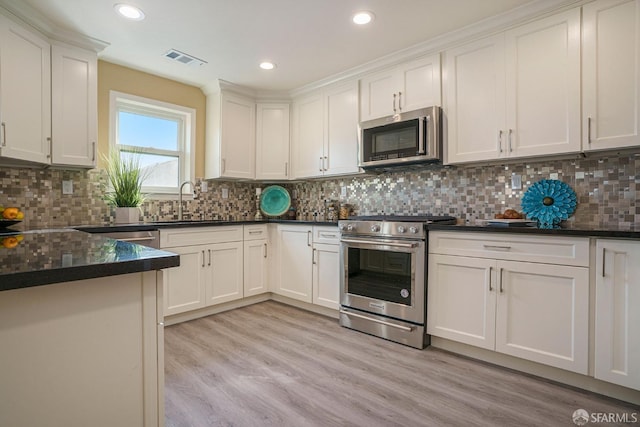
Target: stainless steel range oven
(383,281)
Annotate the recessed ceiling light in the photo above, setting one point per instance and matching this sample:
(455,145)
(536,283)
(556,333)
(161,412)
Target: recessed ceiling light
(362,18)
(267,65)
(129,12)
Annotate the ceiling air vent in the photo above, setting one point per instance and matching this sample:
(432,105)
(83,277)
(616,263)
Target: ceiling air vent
(176,55)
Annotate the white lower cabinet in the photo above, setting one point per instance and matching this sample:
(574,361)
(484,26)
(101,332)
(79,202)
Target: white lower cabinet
(210,272)
(534,311)
(617,318)
(308,264)
(256,265)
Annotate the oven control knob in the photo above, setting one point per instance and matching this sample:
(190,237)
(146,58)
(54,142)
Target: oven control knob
(375,228)
(401,229)
(350,227)
(343,227)
(413,230)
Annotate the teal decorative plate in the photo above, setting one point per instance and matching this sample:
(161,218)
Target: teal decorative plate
(549,202)
(275,201)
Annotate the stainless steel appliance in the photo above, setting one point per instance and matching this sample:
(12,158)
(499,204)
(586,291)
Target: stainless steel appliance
(383,280)
(401,139)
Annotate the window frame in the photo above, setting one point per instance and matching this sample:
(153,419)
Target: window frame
(184,116)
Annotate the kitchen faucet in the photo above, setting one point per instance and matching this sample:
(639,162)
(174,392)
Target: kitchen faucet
(193,188)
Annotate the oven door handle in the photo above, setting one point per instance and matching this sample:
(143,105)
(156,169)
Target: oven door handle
(383,243)
(382,322)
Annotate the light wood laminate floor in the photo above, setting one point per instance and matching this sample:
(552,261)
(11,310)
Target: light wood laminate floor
(274,365)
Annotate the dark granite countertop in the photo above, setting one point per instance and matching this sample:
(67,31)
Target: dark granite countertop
(41,257)
(147,226)
(567,230)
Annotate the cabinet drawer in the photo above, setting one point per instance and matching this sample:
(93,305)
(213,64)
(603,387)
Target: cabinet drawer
(326,234)
(544,249)
(173,237)
(255,232)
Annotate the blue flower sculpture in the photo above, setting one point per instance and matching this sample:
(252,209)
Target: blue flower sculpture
(549,201)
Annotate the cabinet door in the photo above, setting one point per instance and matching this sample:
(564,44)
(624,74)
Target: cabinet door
(611,74)
(295,257)
(74,100)
(25,94)
(617,330)
(474,99)
(272,141)
(225,267)
(255,267)
(420,83)
(326,275)
(341,137)
(307,148)
(184,285)
(378,94)
(543,313)
(461,302)
(543,86)
(238,138)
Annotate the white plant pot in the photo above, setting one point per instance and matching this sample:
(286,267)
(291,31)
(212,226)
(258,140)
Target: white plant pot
(127,215)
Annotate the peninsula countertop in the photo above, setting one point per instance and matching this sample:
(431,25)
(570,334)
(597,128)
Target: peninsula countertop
(41,257)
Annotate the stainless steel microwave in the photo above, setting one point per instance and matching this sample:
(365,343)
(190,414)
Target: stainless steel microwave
(402,139)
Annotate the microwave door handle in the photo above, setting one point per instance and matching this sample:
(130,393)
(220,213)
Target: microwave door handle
(421,134)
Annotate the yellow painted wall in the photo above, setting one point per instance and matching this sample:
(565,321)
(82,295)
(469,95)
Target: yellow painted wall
(127,80)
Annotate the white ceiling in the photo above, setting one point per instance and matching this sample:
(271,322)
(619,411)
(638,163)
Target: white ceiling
(309,40)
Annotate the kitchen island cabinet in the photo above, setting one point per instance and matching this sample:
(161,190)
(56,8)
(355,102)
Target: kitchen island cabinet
(81,330)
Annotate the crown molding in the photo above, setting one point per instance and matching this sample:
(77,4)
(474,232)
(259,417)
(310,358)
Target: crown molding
(24,14)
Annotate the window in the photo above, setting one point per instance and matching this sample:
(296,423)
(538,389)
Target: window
(163,133)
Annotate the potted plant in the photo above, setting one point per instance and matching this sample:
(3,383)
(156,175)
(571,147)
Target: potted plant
(125,177)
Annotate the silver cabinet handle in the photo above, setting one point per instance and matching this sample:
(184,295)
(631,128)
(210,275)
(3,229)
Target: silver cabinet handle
(50,147)
(286,168)
(264,252)
(400,101)
(490,270)
(224,165)
(320,164)
(93,157)
(325,162)
(500,140)
(4,134)
(501,288)
(510,132)
(604,253)
(313,256)
(394,102)
(308,238)
(382,322)
(497,247)
(255,232)
(328,236)
(203,258)
(209,256)
(589,130)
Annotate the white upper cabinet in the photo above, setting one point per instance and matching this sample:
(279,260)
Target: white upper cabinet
(231,138)
(325,132)
(272,141)
(74,100)
(611,74)
(407,87)
(516,94)
(25,94)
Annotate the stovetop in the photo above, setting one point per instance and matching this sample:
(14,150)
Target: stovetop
(442,219)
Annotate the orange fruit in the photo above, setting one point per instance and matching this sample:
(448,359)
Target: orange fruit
(10,213)
(10,242)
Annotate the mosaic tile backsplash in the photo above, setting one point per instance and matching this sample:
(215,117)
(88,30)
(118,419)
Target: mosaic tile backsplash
(607,190)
